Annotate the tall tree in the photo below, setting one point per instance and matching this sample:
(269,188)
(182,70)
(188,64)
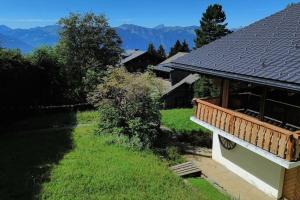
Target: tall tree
(161,52)
(185,47)
(88,46)
(151,49)
(176,48)
(212,25)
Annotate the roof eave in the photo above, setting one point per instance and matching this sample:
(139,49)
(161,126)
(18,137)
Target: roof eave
(251,79)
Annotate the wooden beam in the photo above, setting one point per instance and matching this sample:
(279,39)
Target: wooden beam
(225,93)
(262,104)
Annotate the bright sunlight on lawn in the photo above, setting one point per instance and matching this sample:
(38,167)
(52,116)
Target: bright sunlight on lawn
(179,121)
(96,170)
(74,163)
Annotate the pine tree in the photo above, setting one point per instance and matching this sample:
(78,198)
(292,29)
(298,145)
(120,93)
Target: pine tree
(176,48)
(161,52)
(212,26)
(185,47)
(151,49)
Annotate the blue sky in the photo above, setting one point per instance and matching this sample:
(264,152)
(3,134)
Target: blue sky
(149,13)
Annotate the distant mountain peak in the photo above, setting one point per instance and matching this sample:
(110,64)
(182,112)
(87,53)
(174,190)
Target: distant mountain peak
(160,26)
(4,28)
(129,26)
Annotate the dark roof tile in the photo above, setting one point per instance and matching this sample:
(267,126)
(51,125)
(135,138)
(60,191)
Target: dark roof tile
(266,52)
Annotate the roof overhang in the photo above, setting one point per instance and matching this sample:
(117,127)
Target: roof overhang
(239,77)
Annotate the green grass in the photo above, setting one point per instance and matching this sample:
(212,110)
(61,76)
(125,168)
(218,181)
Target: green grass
(207,190)
(96,170)
(77,164)
(27,159)
(179,121)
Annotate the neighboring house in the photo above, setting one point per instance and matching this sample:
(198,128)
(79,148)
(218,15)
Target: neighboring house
(255,121)
(181,94)
(138,61)
(163,69)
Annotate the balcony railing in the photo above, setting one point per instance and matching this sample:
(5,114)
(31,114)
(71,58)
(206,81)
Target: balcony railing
(281,142)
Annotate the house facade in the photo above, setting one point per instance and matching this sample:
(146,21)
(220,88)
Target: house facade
(138,61)
(163,70)
(255,120)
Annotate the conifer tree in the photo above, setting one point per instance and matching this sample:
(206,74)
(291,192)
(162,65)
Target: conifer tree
(212,25)
(185,47)
(161,52)
(176,48)
(151,49)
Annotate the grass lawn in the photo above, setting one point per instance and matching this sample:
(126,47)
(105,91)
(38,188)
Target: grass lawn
(179,121)
(96,170)
(76,164)
(207,190)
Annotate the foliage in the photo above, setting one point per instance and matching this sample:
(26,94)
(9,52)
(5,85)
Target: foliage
(205,188)
(212,25)
(129,105)
(205,87)
(161,52)
(151,49)
(178,47)
(64,163)
(173,155)
(58,75)
(185,47)
(157,55)
(88,46)
(290,5)
(179,121)
(122,174)
(53,75)
(37,79)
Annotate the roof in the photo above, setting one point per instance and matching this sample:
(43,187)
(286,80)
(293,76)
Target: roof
(165,65)
(266,52)
(190,79)
(163,68)
(131,54)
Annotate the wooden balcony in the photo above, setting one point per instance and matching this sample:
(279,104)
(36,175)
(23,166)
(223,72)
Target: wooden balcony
(281,142)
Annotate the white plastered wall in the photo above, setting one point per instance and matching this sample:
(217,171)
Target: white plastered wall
(260,172)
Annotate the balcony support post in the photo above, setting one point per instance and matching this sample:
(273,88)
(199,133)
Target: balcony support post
(262,104)
(225,93)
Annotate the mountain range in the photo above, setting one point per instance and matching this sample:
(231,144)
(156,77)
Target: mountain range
(133,36)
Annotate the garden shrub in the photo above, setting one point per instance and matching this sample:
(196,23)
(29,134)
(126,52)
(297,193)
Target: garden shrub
(204,87)
(129,105)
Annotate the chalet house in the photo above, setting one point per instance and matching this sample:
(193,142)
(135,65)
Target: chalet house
(163,69)
(138,61)
(181,92)
(256,118)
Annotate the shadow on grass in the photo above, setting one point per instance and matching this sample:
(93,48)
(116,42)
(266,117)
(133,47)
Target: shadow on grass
(26,159)
(171,144)
(193,138)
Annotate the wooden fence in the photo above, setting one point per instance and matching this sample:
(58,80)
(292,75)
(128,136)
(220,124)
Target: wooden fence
(276,140)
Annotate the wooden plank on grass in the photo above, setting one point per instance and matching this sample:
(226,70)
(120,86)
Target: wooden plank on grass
(186,169)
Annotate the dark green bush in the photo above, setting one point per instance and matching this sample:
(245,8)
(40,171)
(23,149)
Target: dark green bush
(205,87)
(129,105)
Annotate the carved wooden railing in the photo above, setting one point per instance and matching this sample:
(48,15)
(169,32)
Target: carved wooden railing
(276,140)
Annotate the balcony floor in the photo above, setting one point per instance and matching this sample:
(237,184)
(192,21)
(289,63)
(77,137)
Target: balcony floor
(228,181)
